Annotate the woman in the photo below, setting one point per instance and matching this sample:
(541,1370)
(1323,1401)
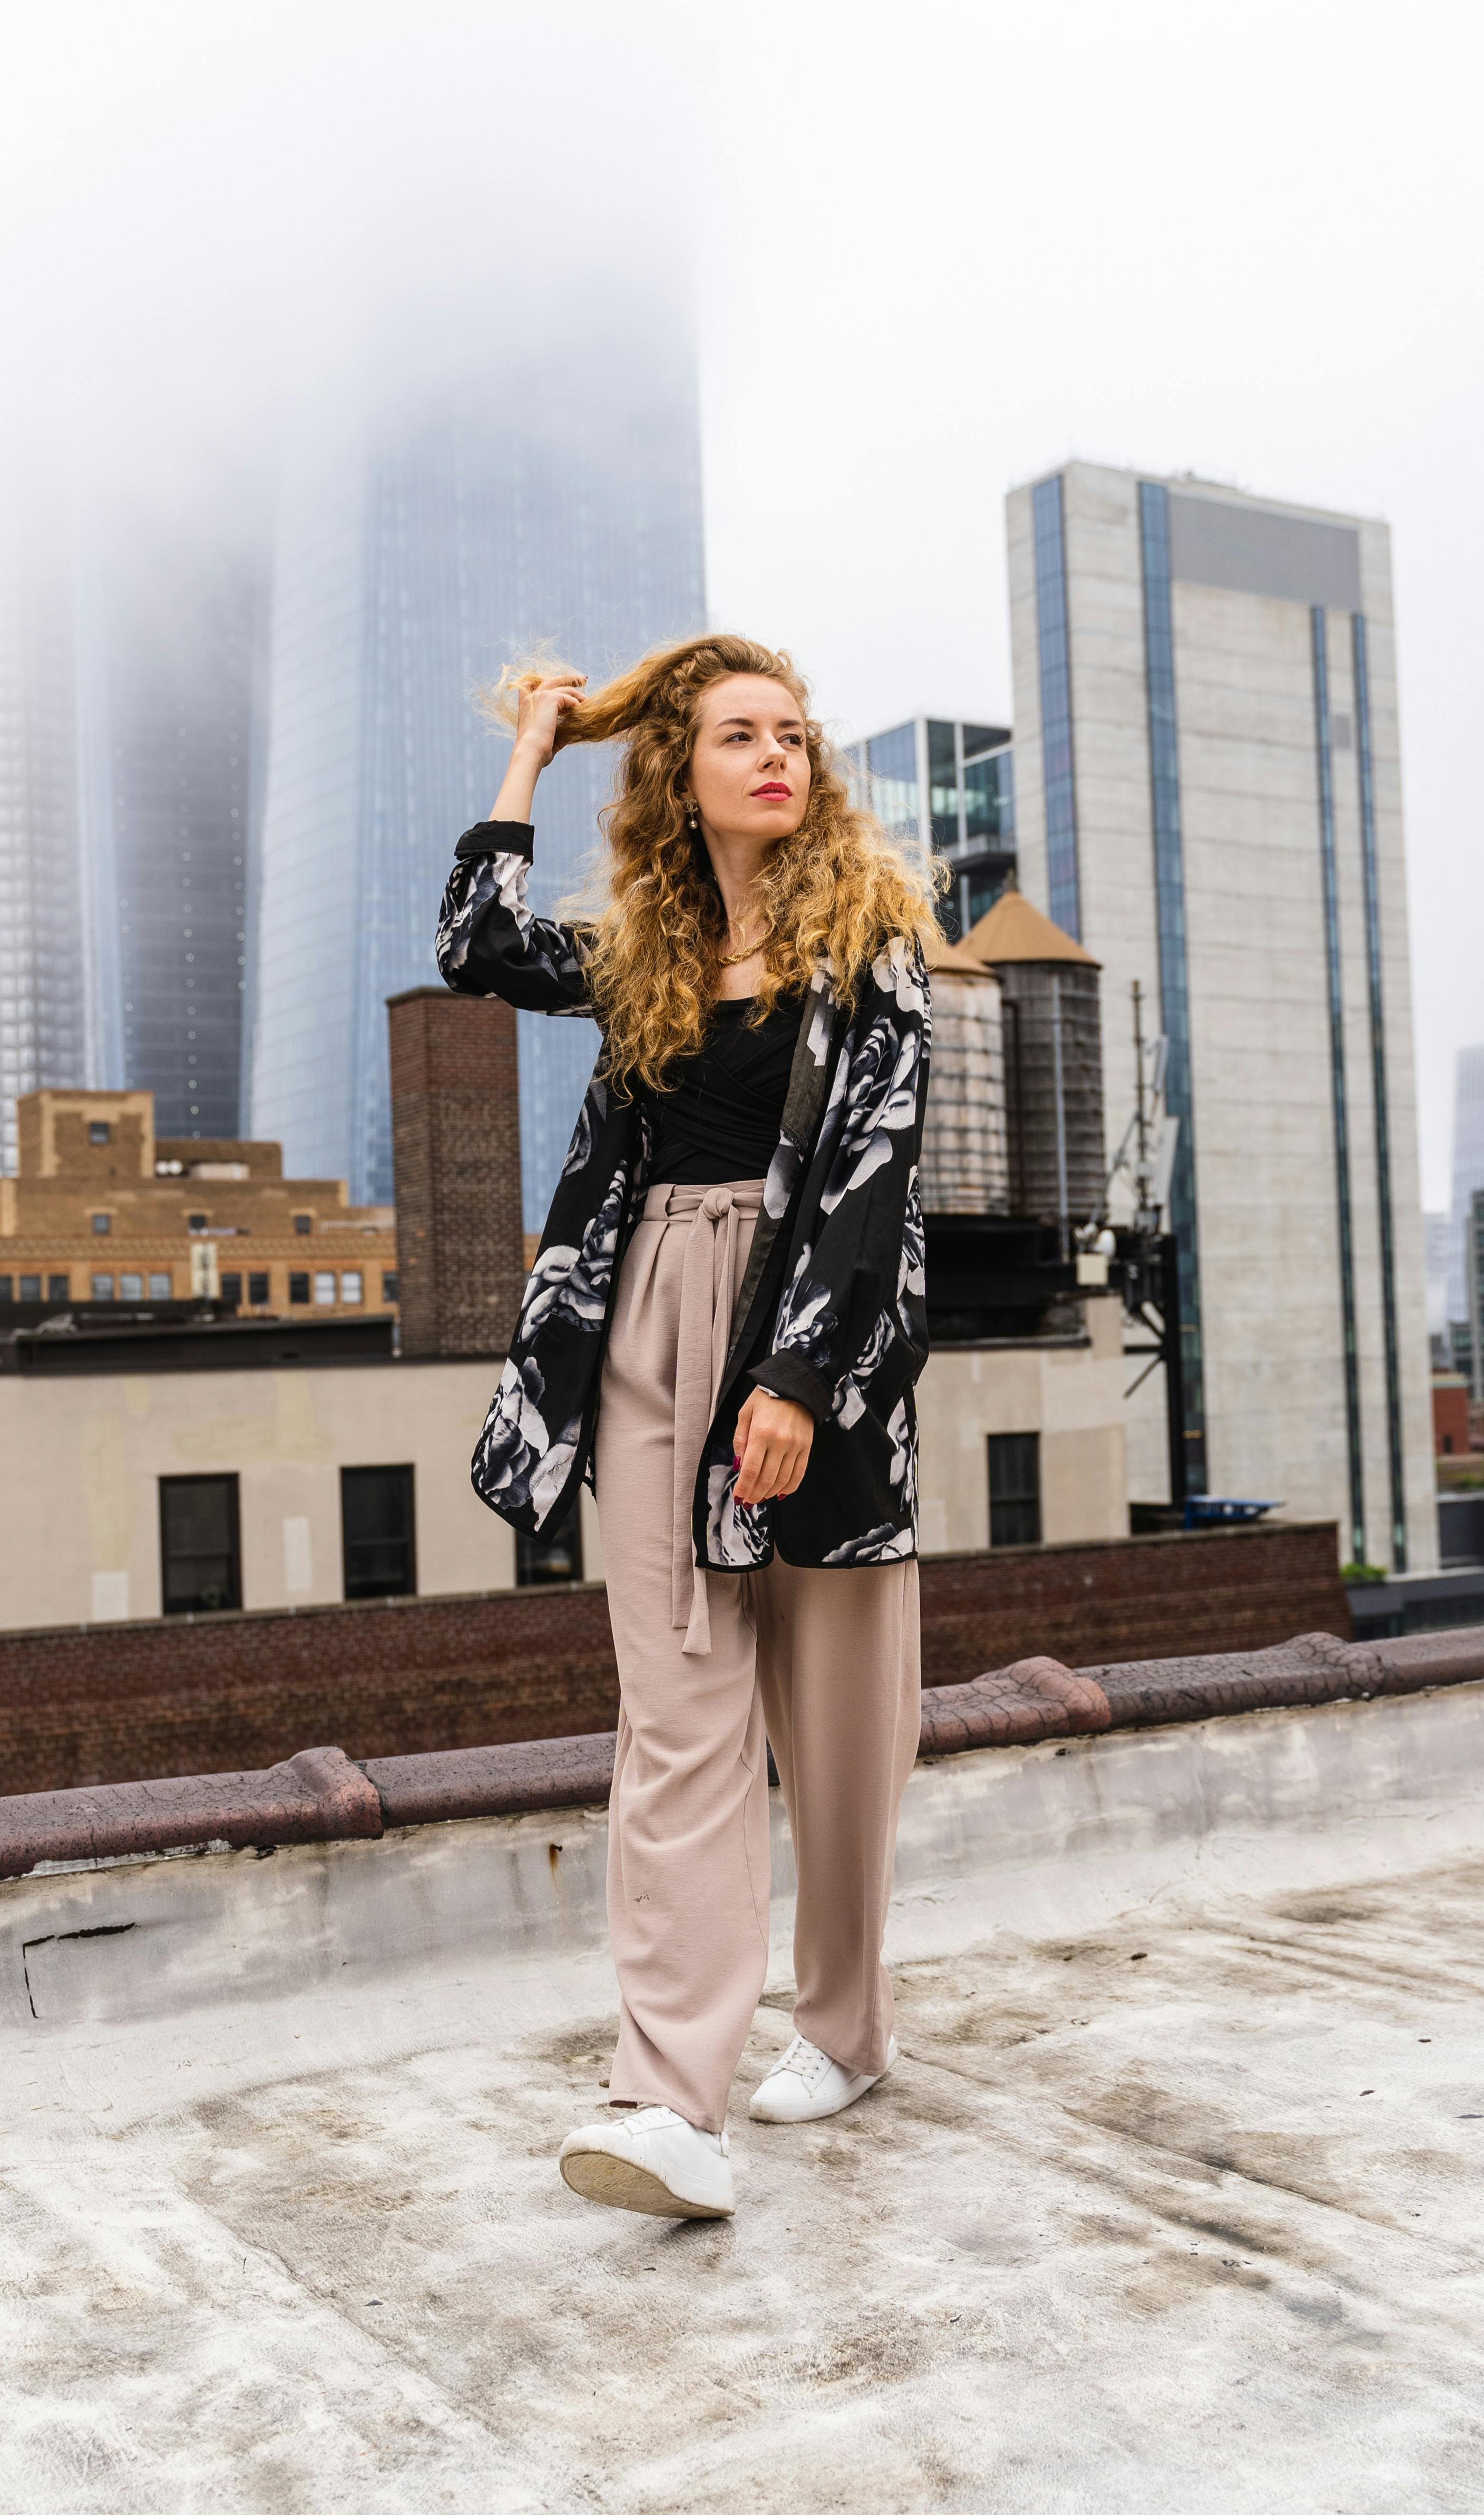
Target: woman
(721,1331)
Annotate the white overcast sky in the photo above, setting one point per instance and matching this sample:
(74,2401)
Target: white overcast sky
(932,251)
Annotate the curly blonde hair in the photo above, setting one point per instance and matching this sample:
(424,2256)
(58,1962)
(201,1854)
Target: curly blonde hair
(837,891)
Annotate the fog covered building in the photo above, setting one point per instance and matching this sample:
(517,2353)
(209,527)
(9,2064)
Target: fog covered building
(171,611)
(43,995)
(1208,797)
(547,489)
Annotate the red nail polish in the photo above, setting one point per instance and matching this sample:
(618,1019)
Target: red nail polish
(737,1461)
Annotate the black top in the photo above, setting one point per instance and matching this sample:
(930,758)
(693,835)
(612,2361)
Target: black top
(720,1115)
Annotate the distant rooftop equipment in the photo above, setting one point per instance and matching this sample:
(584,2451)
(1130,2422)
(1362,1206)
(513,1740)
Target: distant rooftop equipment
(1217,1511)
(1052,1047)
(965,1140)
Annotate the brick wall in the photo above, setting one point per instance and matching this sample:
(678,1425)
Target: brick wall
(456,1156)
(233,1692)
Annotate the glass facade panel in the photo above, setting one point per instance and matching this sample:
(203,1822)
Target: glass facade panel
(989,799)
(1377,1005)
(1336,987)
(891,766)
(1056,676)
(1175,996)
(943,784)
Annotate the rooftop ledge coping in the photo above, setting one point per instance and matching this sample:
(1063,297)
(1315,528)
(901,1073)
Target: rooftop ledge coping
(319,1795)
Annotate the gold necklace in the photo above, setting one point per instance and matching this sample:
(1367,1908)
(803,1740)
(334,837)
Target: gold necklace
(731,959)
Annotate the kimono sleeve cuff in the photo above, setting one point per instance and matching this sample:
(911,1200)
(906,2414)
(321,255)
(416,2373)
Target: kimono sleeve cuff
(785,1375)
(497,838)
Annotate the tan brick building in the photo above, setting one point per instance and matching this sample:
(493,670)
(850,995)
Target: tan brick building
(103,1210)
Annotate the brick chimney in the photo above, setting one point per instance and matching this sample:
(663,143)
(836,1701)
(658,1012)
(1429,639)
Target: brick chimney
(456,1163)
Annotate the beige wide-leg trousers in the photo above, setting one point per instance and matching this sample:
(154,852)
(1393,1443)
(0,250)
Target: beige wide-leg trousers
(826,1665)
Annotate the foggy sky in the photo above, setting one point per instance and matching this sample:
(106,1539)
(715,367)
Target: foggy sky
(930,253)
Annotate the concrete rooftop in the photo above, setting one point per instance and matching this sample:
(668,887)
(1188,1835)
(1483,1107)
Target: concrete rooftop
(1175,2200)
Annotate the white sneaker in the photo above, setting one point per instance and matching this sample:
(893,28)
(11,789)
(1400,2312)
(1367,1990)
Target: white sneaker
(651,2159)
(806,2085)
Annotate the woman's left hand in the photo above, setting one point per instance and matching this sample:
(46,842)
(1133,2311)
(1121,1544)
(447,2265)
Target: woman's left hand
(775,1438)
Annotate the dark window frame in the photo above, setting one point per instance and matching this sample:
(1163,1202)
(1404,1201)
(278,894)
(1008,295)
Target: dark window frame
(1014,1489)
(366,1578)
(556,1556)
(200,1605)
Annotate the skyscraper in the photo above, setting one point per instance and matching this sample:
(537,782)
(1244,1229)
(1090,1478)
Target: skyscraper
(42,989)
(951,787)
(547,490)
(1209,797)
(172,604)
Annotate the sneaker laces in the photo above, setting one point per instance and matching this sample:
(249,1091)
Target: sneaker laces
(805,2060)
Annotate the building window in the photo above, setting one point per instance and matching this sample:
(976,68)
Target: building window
(299,1288)
(231,1291)
(58,1288)
(160,1288)
(200,1553)
(325,1292)
(195,1222)
(391,1287)
(378,1535)
(554,1555)
(7,1288)
(103,1288)
(103,1225)
(258,1292)
(131,1288)
(30,1288)
(303,1224)
(1014,1488)
(353,1290)
(99,1130)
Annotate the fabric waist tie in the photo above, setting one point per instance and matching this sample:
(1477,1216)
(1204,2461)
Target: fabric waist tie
(712,1218)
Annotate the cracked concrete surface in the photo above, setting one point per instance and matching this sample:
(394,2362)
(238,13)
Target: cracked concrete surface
(1180,2209)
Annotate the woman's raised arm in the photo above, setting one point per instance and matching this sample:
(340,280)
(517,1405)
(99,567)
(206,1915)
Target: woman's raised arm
(488,941)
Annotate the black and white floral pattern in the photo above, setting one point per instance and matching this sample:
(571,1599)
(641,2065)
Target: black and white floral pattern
(832,1309)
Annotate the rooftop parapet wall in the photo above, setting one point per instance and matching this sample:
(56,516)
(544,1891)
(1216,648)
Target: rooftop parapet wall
(319,1795)
(114,1702)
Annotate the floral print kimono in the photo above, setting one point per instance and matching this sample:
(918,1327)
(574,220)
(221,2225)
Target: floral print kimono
(832,1308)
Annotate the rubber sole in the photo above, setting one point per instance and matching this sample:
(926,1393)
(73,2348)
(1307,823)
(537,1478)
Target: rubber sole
(623,2185)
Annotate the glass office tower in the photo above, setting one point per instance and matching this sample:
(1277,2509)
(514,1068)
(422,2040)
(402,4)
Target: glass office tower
(967,772)
(171,614)
(43,990)
(547,492)
(1209,799)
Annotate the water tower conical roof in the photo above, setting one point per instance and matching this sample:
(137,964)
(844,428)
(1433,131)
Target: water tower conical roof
(1013,930)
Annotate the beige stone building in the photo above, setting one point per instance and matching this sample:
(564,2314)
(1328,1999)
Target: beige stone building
(1209,796)
(125,1491)
(103,1210)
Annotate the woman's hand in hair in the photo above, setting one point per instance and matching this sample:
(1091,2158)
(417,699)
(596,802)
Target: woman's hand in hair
(541,706)
(774,1437)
